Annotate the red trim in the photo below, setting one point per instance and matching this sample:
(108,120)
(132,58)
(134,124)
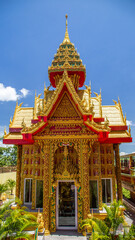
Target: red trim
(118,140)
(17,141)
(80,72)
(12,130)
(44,118)
(33,121)
(118,128)
(27,136)
(98,119)
(93,130)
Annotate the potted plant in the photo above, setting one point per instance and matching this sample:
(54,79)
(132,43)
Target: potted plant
(11,185)
(3,188)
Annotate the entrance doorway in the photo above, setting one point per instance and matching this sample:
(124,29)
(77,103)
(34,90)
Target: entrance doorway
(66,205)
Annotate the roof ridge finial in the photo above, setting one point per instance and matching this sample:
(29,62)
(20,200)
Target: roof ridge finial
(66,39)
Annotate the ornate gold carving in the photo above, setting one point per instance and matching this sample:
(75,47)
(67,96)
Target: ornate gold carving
(45,150)
(18,173)
(33,193)
(86,199)
(90,104)
(65,109)
(118,171)
(66,166)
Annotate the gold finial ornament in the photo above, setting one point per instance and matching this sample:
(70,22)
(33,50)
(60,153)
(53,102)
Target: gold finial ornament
(5,132)
(66,39)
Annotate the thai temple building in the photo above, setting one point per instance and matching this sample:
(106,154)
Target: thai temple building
(68,146)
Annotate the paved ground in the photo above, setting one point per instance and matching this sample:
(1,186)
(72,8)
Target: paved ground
(130,217)
(63,235)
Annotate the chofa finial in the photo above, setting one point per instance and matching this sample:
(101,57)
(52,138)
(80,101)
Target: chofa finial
(66,39)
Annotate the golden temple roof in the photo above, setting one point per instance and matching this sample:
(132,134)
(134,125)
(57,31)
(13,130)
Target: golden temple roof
(66,39)
(66,58)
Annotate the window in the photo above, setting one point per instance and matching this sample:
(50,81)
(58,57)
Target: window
(28,191)
(39,194)
(93,194)
(106,190)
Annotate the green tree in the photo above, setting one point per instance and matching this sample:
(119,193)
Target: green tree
(8,156)
(11,184)
(13,223)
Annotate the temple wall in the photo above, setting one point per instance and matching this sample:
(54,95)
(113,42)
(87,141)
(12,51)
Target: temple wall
(94,161)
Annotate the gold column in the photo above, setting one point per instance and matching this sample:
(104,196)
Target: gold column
(18,174)
(113,176)
(33,194)
(46,151)
(22,176)
(53,148)
(86,198)
(34,179)
(118,171)
(99,179)
(78,149)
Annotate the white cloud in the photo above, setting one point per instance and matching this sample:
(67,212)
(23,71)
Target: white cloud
(10,94)
(24,91)
(130,123)
(122,153)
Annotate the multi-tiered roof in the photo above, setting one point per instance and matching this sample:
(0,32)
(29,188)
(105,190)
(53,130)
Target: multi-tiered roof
(67,58)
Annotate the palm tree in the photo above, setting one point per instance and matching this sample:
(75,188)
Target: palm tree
(98,229)
(106,229)
(13,223)
(114,216)
(11,184)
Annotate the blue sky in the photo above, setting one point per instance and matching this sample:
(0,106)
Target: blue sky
(103,32)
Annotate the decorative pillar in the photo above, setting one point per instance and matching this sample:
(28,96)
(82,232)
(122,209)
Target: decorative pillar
(78,148)
(18,173)
(99,178)
(33,193)
(45,154)
(22,176)
(86,198)
(36,146)
(53,148)
(118,171)
(113,176)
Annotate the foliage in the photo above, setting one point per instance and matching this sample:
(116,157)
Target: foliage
(8,156)
(128,235)
(126,193)
(11,184)
(114,216)
(107,229)
(13,223)
(98,228)
(3,188)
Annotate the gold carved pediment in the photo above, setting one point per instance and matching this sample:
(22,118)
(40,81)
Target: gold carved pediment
(65,109)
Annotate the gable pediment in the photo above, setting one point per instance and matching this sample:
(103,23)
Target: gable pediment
(65,109)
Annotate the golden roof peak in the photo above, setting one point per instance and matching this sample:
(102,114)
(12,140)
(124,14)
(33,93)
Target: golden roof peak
(66,39)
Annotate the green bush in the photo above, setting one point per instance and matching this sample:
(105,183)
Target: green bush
(126,193)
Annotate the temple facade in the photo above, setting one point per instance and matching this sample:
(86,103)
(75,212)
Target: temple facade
(68,146)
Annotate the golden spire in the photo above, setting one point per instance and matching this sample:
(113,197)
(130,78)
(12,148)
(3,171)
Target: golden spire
(66,39)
